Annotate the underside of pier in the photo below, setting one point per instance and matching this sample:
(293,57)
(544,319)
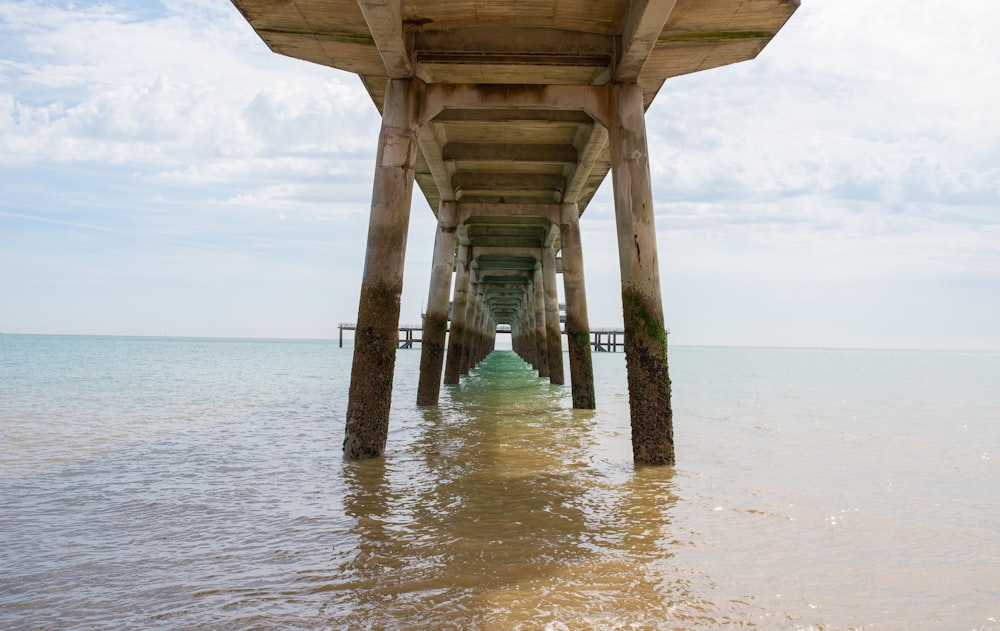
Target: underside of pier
(508,115)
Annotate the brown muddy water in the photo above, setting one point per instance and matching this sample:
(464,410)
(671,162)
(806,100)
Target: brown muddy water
(164,483)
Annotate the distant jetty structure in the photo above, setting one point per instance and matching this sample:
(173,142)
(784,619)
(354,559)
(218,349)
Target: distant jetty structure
(509,115)
(604,340)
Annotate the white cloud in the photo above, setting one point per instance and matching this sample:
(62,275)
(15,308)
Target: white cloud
(195,85)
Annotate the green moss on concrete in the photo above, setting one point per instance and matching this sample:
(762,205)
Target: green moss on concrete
(712,37)
(634,304)
(648,381)
(344,37)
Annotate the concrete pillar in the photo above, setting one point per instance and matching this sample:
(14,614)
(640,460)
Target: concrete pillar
(581,366)
(538,304)
(378,310)
(484,344)
(515,336)
(528,338)
(456,335)
(492,340)
(471,322)
(645,334)
(553,328)
(517,333)
(433,342)
(472,330)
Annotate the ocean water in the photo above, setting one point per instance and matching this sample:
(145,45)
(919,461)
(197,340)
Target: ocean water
(198,483)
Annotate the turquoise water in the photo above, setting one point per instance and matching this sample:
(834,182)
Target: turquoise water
(185,483)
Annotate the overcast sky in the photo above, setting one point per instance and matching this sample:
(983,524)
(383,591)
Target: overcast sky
(163,173)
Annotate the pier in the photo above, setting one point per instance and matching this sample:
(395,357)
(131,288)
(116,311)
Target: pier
(508,116)
(606,340)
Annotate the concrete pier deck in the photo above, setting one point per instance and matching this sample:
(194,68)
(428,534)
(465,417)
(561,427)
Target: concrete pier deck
(508,115)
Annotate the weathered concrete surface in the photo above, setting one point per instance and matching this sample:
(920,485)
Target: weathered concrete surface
(645,334)
(553,336)
(581,367)
(378,312)
(434,337)
(541,331)
(472,324)
(456,338)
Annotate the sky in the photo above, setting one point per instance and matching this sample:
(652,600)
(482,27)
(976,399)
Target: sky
(163,173)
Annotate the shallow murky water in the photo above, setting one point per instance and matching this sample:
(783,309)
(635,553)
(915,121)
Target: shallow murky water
(199,484)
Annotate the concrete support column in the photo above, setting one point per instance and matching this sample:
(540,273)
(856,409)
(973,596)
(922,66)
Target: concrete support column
(645,334)
(456,335)
(382,284)
(541,345)
(487,334)
(517,333)
(433,342)
(528,338)
(484,331)
(471,323)
(553,328)
(492,341)
(581,366)
(515,337)
(474,334)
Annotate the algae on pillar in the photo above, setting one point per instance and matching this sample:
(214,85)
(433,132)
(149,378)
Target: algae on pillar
(642,308)
(553,334)
(382,284)
(433,342)
(541,345)
(581,366)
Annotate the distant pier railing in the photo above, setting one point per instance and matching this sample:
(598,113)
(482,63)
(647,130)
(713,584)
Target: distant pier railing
(406,333)
(606,340)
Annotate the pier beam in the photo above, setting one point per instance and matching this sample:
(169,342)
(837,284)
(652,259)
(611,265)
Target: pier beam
(382,283)
(433,342)
(581,365)
(456,334)
(553,334)
(645,334)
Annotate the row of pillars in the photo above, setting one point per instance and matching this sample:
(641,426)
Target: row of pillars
(529,305)
(473,325)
